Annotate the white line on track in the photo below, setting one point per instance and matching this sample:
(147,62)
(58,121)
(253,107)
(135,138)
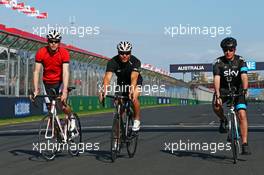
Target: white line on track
(212,123)
(181,125)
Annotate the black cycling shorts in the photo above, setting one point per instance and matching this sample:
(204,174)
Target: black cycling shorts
(49,90)
(240,102)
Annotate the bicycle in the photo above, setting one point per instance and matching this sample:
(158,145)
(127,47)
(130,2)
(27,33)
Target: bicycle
(122,127)
(56,133)
(233,120)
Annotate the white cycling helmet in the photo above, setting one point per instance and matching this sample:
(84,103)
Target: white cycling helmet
(124,46)
(54,34)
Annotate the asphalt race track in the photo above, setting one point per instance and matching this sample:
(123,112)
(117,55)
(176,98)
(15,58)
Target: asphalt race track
(163,146)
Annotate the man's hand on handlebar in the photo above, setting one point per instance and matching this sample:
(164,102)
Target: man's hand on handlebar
(33,95)
(245,92)
(218,101)
(102,96)
(131,96)
(64,96)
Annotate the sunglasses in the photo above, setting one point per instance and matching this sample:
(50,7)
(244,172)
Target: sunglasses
(124,53)
(229,49)
(53,41)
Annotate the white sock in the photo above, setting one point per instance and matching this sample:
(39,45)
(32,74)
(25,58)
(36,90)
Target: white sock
(136,125)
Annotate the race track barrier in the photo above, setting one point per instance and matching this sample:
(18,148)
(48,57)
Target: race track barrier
(17,107)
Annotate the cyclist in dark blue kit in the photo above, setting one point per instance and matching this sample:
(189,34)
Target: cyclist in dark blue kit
(231,66)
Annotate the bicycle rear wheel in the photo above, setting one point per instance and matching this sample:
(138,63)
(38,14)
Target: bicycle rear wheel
(75,136)
(115,137)
(132,137)
(48,144)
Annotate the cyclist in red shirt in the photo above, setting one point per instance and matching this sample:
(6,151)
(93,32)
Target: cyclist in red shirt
(55,63)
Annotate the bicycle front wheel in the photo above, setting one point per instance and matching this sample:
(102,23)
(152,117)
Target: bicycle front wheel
(48,138)
(234,141)
(115,137)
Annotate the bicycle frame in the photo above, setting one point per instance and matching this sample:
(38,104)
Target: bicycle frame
(59,130)
(233,133)
(122,108)
(232,95)
(54,117)
(121,130)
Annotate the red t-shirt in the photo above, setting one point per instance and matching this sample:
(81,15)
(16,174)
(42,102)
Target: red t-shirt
(52,64)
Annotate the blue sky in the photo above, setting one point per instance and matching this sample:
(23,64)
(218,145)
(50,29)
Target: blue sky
(142,22)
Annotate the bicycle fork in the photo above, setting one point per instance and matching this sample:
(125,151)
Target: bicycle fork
(236,125)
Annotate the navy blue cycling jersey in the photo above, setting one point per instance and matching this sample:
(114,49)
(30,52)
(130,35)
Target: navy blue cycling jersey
(230,69)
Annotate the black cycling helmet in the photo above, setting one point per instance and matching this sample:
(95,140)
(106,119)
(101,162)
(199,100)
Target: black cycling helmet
(228,42)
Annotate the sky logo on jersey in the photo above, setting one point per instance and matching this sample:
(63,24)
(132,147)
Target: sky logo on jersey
(251,65)
(230,72)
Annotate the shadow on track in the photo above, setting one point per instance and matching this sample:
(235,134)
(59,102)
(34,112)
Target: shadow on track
(105,156)
(222,159)
(33,155)
(102,156)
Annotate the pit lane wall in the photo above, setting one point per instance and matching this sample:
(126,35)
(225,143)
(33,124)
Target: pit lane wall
(14,107)
(17,107)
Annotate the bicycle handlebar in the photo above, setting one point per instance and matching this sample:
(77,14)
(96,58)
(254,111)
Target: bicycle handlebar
(231,95)
(114,97)
(49,96)
(55,96)
(118,96)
